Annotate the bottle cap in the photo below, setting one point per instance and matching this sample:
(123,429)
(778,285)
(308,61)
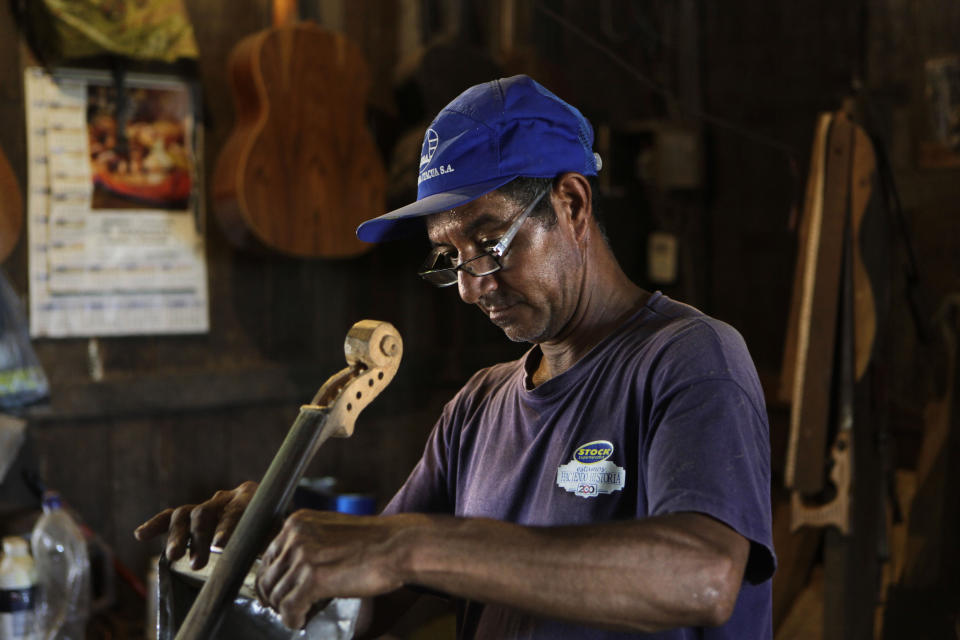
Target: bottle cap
(359,504)
(52,500)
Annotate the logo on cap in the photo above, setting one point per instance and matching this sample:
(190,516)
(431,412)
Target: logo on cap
(430,142)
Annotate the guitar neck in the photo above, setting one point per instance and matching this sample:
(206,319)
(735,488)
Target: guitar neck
(285,12)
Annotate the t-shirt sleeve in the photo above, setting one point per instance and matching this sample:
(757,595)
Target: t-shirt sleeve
(708,448)
(426,489)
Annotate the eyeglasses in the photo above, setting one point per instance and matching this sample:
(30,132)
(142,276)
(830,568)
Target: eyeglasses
(440,267)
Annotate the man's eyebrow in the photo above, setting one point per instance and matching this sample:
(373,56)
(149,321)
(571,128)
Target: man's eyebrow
(482,220)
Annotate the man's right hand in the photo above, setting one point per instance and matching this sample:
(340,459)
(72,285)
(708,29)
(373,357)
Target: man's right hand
(200,525)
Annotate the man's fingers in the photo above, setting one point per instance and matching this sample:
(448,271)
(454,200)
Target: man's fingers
(154,526)
(294,597)
(271,570)
(179,532)
(204,519)
(226,526)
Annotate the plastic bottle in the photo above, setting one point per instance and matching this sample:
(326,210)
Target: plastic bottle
(63,572)
(18,591)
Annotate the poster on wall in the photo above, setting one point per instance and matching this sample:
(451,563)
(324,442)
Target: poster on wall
(115,218)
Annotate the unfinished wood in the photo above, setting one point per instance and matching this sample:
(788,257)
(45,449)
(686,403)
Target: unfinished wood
(852,563)
(300,171)
(796,554)
(805,620)
(812,211)
(816,334)
(931,556)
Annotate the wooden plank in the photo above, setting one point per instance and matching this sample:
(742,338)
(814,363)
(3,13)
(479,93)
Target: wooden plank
(812,210)
(153,393)
(805,619)
(931,556)
(852,563)
(73,460)
(816,335)
(133,486)
(862,191)
(796,554)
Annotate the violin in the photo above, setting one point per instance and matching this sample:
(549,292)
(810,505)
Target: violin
(373,350)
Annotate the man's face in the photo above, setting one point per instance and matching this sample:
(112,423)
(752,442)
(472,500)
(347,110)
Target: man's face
(535,294)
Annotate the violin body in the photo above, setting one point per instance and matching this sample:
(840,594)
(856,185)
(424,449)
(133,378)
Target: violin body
(300,170)
(11,209)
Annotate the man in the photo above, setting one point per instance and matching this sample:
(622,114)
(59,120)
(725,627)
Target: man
(613,482)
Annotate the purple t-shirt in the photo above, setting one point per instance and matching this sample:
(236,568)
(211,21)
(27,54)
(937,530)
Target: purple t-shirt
(664,415)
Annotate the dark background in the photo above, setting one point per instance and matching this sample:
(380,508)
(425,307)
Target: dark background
(175,418)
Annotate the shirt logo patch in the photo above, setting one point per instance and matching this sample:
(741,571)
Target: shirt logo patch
(591,472)
(593,452)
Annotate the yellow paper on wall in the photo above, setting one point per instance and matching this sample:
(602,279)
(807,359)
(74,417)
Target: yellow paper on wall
(144,29)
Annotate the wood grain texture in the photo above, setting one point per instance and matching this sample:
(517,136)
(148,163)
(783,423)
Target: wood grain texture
(812,209)
(300,170)
(11,209)
(817,328)
(862,183)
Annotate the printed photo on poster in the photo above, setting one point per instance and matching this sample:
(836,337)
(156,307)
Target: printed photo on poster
(139,155)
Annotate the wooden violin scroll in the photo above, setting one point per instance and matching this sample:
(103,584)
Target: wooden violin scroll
(373,350)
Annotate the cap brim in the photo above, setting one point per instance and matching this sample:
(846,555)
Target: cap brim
(408,220)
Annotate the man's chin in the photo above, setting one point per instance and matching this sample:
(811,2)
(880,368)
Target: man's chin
(512,322)
(518,332)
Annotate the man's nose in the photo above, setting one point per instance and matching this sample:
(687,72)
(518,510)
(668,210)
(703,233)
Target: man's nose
(473,287)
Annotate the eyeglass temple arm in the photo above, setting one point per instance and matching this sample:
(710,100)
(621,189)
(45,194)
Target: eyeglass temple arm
(507,238)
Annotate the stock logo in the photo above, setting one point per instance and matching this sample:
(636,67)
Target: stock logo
(593,452)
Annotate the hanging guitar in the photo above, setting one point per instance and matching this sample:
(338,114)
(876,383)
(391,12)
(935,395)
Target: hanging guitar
(373,350)
(11,209)
(300,170)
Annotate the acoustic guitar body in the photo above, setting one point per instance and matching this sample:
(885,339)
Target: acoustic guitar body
(11,209)
(300,170)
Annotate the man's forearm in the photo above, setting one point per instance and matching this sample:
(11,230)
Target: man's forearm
(646,575)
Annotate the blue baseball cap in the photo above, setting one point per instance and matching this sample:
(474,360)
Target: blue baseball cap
(489,135)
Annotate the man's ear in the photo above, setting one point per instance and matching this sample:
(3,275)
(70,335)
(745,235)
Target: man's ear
(575,200)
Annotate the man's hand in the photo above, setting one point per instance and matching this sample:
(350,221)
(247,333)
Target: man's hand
(199,525)
(320,555)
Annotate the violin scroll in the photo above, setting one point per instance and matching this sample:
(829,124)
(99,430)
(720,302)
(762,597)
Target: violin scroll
(373,350)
